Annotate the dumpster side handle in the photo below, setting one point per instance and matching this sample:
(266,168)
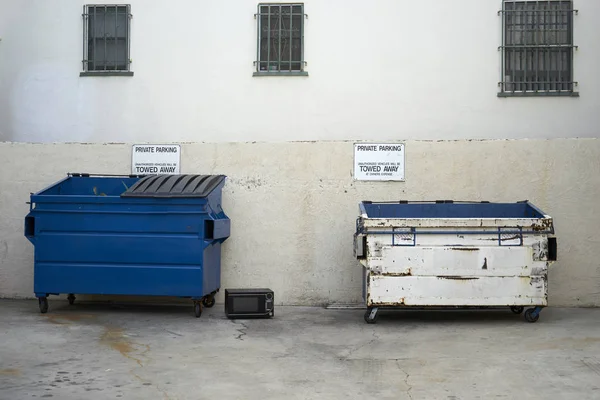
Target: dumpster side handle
(29,227)
(216,229)
(552,249)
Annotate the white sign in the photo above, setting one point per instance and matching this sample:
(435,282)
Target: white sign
(379,161)
(155,159)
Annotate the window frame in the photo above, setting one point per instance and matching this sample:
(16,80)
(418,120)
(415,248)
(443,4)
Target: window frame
(88,10)
(504,48)
(259,61)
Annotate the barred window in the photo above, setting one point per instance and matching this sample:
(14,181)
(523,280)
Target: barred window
(280,39)
(106,39)
(537,48)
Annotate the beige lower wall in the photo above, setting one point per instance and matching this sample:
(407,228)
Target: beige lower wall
(293,205)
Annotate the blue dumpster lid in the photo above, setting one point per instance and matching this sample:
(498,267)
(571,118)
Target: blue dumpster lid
(174,186)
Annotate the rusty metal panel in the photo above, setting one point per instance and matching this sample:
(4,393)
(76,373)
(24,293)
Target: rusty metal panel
(453,237)
(455,260)
(456,291)
(534,224)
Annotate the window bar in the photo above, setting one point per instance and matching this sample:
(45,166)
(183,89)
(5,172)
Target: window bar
(548,35)
(528,47)
(104,61)
(560,52)
(524,57)
(269,40)
(502,65)
(279,21)
(503,58)
(118,37)
(94,42)
(536,29)
(513,34)
(549,49)
(302,16)
(116,46)
(515,15)
(128,37)
(547,19)
(558,40)
(259,37)
(85,37)
(572,50)
(506,38)
(553,26)
(291,44)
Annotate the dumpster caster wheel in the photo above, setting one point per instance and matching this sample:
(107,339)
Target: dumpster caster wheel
(71,298)
(197,309)
(208,301)
(371,316)
(531,316)
(517,309)
(43,304)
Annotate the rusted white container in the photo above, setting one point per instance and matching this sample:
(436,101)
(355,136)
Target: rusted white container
(455,254)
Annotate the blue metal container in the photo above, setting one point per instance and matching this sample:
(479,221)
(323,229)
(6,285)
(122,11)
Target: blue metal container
(152,236)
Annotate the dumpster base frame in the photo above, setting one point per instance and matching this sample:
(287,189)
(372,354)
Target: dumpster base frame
(531,314)
(199,303)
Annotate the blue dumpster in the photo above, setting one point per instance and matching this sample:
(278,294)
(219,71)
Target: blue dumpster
(116,235)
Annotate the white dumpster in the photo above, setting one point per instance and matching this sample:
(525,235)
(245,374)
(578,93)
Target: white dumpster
(454,254)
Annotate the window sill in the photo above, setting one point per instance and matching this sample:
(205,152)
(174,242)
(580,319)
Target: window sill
(538,94)
(280,73)
(106,73)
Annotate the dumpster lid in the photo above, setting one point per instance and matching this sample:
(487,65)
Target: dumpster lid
(174,186)
(450,209)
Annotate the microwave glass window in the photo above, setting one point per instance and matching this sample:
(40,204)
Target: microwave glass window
(245,304)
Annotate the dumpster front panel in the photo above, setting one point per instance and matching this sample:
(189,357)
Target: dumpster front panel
(125,253)
(118,279)
(422,291)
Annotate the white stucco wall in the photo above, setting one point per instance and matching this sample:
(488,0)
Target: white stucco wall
(391,69)
(293,205)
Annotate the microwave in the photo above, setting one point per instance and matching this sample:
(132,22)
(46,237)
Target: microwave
(249,303)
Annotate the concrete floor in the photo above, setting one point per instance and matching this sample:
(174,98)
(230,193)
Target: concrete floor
(103,351)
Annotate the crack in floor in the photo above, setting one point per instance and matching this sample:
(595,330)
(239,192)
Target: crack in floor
(242,331)
(408,391)
(370,342)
